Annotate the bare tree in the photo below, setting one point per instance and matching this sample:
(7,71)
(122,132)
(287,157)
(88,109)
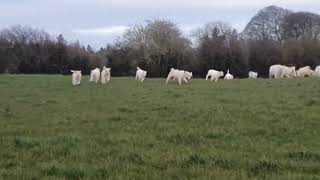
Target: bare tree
(220,48)
(267,24)
(158,44)
(302,25)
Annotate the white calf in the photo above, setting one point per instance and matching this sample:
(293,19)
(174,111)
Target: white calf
(275,71)
(95,75)
(253,75)
(317,71)
(105,75)
(228,76)
(305,71)
(140,74)
(179,75)
(76,77)
(188,75)
(214,75)
(289,72)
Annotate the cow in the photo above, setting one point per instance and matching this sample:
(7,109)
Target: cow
(253,75)
(140,74)
(275,71)
(317,71)
(228,76)
(179,75)
(214,75)
(305,71)
(105,75)
(188,75)
(76,77)
(95,75)
(289,72)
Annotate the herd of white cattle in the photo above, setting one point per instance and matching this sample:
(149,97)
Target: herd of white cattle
(275,71)
(281,71)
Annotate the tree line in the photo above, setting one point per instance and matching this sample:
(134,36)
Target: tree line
(273,36)
(33,51)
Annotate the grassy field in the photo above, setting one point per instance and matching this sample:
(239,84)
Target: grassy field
(241,129)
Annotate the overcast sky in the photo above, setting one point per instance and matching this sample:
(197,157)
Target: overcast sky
(98,22)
